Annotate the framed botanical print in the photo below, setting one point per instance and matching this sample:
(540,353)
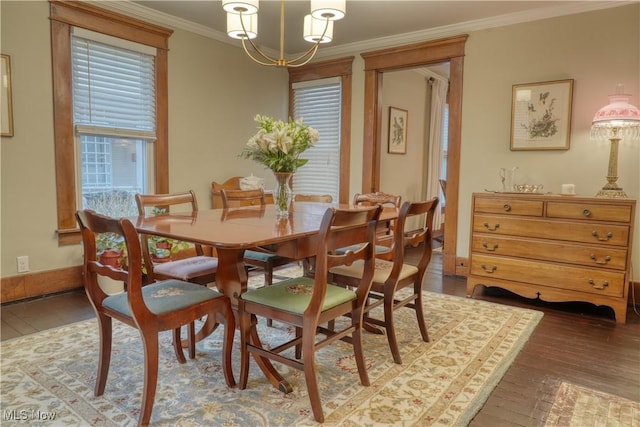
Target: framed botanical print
(541,115)
(397,130)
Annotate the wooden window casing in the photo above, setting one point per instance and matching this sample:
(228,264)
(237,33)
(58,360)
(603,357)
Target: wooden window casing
(342,68)
(64,16)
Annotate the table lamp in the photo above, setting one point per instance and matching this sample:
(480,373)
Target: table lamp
(615,121)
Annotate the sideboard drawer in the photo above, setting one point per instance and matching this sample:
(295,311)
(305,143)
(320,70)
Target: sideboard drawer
(596,256)
(510,207)
(589,211)
(595,233)
(595,281)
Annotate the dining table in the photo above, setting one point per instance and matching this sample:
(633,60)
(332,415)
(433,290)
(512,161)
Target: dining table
(231,231)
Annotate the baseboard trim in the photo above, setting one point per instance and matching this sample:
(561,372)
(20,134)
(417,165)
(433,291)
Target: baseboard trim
(41,283)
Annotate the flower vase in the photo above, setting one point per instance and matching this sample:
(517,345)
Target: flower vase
(283,194)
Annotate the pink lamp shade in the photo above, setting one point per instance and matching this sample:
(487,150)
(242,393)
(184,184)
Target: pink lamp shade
(618,116)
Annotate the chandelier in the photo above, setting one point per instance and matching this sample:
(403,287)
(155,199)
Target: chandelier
(242,24)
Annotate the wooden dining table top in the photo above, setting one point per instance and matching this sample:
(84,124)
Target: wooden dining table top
(242,227)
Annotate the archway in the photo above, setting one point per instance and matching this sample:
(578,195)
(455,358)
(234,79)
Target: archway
(411,56)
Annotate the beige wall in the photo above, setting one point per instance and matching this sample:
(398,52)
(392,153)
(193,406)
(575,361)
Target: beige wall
(214,92)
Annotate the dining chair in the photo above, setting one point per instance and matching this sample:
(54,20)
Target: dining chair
(392,273)
(306,303)
(308,263)
(384,234)
(200,268)
(255,257)
(160,306)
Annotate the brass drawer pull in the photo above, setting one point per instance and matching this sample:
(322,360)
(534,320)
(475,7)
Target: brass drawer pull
(586,212)
(489,270)
(506,207)
(495,227)
(602,261)
(490,249)
(594,233)
(599,287)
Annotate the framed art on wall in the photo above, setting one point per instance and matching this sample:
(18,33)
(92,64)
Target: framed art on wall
(6,109)
(398,119)
(541,115)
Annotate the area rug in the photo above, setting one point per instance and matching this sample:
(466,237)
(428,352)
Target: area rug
(441,383)
(577,406)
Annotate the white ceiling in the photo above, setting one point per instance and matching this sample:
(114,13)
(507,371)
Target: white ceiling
(365,20)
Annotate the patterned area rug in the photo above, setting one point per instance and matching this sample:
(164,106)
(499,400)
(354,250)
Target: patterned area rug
(576,406)
(441,383)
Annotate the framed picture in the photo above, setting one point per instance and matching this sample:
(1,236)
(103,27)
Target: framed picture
(6,108)
(541,115)
(397,131)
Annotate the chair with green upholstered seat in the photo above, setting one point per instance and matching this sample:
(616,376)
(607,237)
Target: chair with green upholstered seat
(308,303)
(160,306)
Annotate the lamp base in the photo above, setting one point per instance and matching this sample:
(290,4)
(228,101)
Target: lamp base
(612,194)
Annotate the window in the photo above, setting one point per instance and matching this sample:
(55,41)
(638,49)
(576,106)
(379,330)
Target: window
(319,102)
(104,148)
(114,120)
(320,93)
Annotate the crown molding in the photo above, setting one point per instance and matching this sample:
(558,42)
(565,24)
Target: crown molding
(570,8)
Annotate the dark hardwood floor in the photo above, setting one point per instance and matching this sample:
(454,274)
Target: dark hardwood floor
(574,342)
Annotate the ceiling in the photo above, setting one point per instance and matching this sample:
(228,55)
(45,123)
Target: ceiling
(364,20)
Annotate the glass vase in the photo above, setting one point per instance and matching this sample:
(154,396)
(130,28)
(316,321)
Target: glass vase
(283,194)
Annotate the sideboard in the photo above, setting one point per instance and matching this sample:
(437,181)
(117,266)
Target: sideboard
(553,247)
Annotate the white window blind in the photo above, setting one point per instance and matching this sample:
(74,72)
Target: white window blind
(113,87)
(113,82)
(318,103)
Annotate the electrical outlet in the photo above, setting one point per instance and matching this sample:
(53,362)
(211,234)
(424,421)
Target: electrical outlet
(23,264)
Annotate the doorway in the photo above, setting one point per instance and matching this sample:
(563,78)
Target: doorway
(406,57)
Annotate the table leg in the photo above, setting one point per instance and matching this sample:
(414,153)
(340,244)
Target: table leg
(231,280)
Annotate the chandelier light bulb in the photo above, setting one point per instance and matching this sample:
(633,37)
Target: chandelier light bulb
(246,7)
(235,28)
(317,30)
(328,9)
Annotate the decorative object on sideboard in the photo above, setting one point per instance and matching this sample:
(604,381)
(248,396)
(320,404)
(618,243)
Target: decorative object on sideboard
(541,115)
(508,178)
(527,188)
(251,183)
(242,24)
(568,189)
(615,121)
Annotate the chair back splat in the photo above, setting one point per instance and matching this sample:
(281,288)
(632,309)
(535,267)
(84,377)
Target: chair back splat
(306,303)
(393,273)
(160,306)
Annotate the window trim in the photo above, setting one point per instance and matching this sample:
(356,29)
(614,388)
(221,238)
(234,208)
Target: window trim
(341,67)
(67,14)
